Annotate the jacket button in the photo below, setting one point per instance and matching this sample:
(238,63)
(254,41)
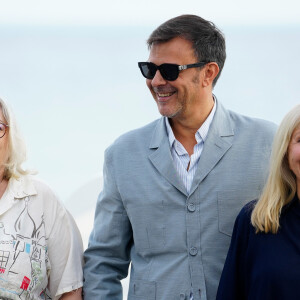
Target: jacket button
(191,207)
(193,251)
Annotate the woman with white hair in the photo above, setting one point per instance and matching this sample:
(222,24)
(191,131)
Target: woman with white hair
(40,245)
(263,261)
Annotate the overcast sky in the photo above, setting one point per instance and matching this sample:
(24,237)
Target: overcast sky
(135,12)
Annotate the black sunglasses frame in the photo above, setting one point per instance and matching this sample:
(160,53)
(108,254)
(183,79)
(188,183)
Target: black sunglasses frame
(169,72)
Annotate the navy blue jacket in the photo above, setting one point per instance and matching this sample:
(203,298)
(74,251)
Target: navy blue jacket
(263,266)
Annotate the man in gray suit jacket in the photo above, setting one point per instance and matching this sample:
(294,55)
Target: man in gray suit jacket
(173,188)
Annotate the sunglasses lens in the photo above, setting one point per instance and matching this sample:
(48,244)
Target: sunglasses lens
(169,71)
(148,70)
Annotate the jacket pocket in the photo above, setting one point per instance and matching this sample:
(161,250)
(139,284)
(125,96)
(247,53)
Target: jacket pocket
(142,290)
(229,205)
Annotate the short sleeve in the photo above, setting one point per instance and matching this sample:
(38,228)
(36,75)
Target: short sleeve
(65,252)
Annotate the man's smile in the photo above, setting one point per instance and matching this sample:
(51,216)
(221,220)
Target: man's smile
(164,96)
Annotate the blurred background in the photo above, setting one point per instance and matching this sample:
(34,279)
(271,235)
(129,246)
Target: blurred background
(69,71)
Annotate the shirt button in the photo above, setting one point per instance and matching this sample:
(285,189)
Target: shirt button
(191,207)
(193,251)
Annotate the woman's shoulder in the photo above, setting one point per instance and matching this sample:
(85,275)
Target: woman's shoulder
(38,190)
(248,208)
(39,185)
(244,217)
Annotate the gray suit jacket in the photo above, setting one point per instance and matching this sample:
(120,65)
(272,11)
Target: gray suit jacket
(145,216)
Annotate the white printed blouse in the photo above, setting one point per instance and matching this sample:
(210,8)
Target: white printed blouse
(40,245)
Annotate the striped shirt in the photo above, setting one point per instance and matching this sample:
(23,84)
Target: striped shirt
(181,157)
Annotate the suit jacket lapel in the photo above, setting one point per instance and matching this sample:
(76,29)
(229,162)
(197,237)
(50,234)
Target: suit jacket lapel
(217,143)
(161,156)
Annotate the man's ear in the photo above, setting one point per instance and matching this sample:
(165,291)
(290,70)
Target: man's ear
(211,70)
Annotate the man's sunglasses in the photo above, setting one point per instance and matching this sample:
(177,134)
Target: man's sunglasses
(169,72)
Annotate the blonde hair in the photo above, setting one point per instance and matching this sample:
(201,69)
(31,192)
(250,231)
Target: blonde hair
(281,187)
(16,147)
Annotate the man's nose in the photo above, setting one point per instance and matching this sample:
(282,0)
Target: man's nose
(158,79)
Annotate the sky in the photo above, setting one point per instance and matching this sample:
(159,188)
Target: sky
(140,12)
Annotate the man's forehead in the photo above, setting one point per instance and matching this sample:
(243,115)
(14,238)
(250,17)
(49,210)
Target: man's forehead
(172,51)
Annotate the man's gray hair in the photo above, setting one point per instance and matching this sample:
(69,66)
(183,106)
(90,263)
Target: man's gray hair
(208,41)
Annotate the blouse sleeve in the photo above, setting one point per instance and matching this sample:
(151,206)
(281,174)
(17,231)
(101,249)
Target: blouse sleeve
(65,252)
(232,282)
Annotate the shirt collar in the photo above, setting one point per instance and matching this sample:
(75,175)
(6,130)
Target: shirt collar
(201,133)
(21,187)
(17,189)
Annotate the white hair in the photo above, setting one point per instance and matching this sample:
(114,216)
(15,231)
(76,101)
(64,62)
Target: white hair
(16,149)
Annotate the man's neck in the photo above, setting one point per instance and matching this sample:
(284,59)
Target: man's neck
(184,129)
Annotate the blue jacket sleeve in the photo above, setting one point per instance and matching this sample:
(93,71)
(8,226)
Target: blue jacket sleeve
(108,255)
(232,284)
